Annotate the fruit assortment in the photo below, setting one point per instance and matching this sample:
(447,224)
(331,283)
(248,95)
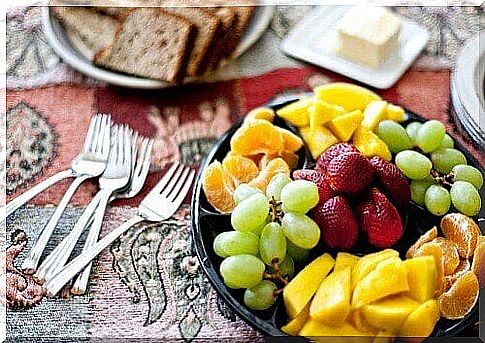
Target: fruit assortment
(357,192)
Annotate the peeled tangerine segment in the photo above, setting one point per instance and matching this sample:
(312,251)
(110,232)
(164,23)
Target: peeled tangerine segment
(388,278)
(428,236)
(459,300)
(318,140)
(241,169)
(374,113)
(462,268)
(278,165)
(349,96)
(344,126)
(301,289)
(478,264)
(331,304)
(218,187)
(370,145)
(421,272)
(295,325)
(265,113)
(451,259)
(368,263)
(421,322)
(258,136)
(291,142)
(463,231)
(290,158)
(344,259)
(314,328)
(322,112)
(297,113)
(389,313)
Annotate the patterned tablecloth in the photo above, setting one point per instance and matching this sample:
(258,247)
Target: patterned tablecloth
(149,283)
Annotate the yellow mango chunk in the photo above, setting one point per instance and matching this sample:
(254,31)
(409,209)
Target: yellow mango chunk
(383,336)
(294,326)
(301,289)
(297,113)
(421,322)
(368,263)
(318,140)
(331,304)
(265,113)
(388,278)
(421,273)
(351,97)
(322,112)
(396,113)
(314,328)
(373,114)
(344,259)
(389,313)
(344,126)
(356,317)
(370,145)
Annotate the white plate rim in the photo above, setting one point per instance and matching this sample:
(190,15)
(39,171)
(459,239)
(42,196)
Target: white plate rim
(263,15)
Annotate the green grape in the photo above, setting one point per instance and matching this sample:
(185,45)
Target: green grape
(414,165)
(236,243)
(300,196)
(261,296)
(437,200)
(298,254)
(412,130)
(447,142)
(258,229)
(242,271)
(419,187)
(276,184)
(250,213)
(272,244)
(301,230)
(430,135)
(463,172)
(465,198)
(394,135)
(244,191)
(445,159)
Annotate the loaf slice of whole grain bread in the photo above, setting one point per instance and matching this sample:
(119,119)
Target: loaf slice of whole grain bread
(150,42)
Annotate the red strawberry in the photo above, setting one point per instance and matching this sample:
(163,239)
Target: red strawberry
(332,152)
(393,181)
(318,178)
(337,222)
(379,219)
(349,173)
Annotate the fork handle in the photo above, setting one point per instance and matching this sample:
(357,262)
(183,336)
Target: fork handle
(23,198)
(32,260)
(55,284)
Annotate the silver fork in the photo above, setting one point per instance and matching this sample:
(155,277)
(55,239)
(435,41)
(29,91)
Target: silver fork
(160,204)
(90,163)
(140,165)
(115,177)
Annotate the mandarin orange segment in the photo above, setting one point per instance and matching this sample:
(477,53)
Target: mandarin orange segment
(463,231)
(478,264)
(218,187)
(459,300)
(258,136)
(462,268)
(428,236)
(450,254)
(434,249)
(292,143)
(265,113)
(241,169)
(278,165)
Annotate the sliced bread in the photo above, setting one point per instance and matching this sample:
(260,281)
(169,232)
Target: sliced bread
(150,42)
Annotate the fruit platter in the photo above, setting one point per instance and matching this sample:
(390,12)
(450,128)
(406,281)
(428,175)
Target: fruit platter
(337,213)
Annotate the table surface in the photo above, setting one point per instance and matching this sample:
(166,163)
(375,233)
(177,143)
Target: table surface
(149,283)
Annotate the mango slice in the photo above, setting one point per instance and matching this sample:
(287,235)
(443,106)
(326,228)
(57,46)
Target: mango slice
(344,126)
(389,313)
(344,259)
(388,278)
(368,263)
(318,140)
(349,96)
(301,289)
(297,113)
(370,145)
(374,113)
(322,112)
(295,325)
(396,113)
(421,322)
(331,304)
(314,328)
(421,272)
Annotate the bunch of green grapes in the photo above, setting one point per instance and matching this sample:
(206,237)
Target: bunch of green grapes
(271,233)
(440,176)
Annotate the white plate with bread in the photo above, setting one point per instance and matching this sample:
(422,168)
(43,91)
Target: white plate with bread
(152,48)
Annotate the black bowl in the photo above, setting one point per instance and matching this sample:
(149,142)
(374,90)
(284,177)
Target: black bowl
(207,223)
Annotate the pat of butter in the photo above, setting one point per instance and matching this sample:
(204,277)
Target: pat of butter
(367,35)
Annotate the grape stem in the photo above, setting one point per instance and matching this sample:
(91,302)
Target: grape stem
(443,180)
(275,210)
(276,275)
